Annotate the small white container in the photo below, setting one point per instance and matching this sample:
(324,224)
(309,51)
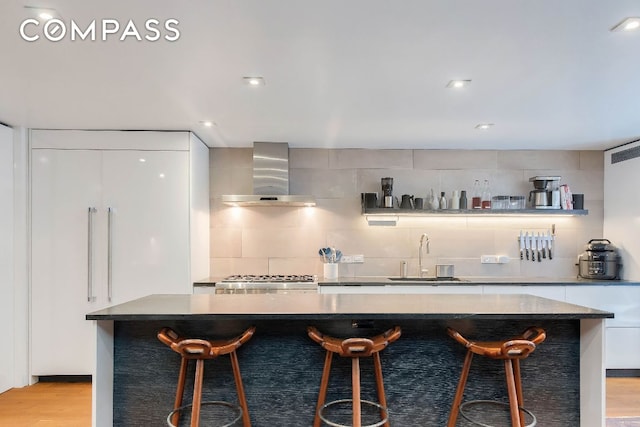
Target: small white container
(330,270)
(455,201)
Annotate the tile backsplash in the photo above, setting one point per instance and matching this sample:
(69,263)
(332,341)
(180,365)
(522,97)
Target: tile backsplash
(285,240)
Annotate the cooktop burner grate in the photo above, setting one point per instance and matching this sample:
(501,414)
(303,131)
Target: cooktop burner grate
(271,278)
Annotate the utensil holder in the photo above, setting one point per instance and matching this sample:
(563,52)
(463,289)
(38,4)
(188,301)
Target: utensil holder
(330,270)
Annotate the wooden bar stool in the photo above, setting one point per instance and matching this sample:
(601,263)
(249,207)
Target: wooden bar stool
(510,351)
(355,348)
(201,350)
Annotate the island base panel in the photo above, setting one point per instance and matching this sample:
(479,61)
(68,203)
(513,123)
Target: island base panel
(281,369)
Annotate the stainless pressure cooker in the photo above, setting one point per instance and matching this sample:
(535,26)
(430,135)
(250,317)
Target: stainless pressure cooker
(599,261)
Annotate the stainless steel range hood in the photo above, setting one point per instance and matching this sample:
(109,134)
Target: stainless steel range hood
(270,179)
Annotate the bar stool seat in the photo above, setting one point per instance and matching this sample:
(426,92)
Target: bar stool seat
(201,350)
(353,348)
(510,351)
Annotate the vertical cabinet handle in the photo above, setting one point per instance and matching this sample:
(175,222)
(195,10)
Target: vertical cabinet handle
(90,296)
(109,245)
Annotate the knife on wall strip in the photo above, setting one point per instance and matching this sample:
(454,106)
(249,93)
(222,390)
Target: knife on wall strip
(526,244)
(549,242)
(521,240)
(539,246)
(533,249)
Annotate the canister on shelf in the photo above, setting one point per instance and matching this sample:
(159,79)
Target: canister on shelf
(455,200)
(463,200)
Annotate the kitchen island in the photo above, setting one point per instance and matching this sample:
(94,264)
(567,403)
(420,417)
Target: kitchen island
(135,375)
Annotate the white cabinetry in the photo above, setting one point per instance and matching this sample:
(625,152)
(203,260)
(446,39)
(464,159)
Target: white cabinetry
(108,225)
(622,332)
(434,289)
(401,289)
(6,259)
(621,206)
(552,292)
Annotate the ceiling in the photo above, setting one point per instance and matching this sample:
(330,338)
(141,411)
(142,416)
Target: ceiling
(339,74)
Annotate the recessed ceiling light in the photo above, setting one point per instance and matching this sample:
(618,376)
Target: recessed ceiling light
(254,81)
(207,123)
(43,13)
(627,24)
(484,126)
(458,84)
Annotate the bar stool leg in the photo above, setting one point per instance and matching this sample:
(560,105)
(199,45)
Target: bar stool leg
(324,384)
(516,373)
(197,393)
(246,421)
(355,385)
(380,384)
(180,390)
(453,417)
(513,398)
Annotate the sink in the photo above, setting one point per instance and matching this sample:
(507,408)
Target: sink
(425,279)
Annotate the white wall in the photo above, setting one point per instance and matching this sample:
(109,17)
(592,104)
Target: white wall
(6,259)
(286,240)
(622,208)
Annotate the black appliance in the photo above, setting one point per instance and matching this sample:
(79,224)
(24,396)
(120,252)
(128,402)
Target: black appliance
(599,261)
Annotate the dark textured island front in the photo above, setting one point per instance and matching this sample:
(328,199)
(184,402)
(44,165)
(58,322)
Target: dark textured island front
(135,375)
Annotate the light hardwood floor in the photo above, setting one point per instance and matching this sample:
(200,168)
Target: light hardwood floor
(69,404)
(623,397)
(47,405)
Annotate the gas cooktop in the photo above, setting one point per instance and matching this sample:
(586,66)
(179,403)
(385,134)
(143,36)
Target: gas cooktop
(267,283)
(270,278)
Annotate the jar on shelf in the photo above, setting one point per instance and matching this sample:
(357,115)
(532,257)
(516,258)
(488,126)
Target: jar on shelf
(517,202)
(476,198)
(500,202)
(486,195)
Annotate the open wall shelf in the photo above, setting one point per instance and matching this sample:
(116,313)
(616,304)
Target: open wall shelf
(484,212)
(390,216)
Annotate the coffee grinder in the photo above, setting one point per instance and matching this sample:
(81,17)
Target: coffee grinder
(387,192)
(546,194)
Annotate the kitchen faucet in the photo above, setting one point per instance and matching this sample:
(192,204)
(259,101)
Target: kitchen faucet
(424,242)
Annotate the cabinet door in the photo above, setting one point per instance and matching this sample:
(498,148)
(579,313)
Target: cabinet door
(65,184)
(434,289)
(351,289)
(623,348)
(401,289)
(552,292)
(147,193)
(622,301)
(623,331)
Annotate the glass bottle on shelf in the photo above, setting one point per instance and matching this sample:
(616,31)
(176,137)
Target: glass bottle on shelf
(476,200)
(486,195)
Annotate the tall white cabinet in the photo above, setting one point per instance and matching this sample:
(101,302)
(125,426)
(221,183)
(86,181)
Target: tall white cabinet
(622,227)
(6,259)
(622,205)
(116,215)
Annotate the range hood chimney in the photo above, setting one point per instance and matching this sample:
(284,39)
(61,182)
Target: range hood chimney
(270,179)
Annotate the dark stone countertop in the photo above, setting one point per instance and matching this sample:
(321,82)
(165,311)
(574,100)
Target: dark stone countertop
(343,306)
